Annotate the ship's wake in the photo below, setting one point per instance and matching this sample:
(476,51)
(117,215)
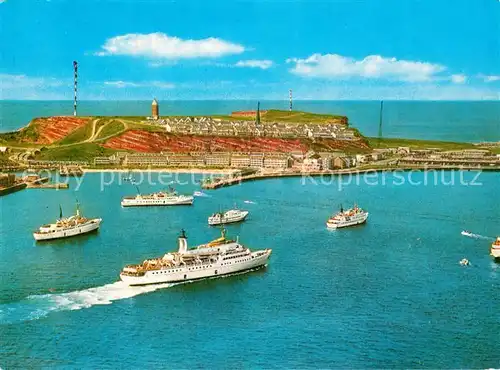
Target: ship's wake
(477,236)
(38,306)
(35,307)
(200,194)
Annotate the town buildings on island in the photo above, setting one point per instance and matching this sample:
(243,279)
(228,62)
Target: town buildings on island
(245,128)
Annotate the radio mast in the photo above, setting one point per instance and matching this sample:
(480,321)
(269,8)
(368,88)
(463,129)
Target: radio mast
(75,71)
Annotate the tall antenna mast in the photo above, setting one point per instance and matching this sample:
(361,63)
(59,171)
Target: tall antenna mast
(257,118)
(290,94)
(380,121)
(75,70)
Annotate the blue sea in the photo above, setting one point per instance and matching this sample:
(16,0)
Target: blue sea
(471,121)
(387,294)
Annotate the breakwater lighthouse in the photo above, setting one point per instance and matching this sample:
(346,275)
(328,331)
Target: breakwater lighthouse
(155,109)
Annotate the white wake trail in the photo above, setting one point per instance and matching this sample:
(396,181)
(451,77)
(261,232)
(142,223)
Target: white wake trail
(38,306)
(200,194)
(478,236)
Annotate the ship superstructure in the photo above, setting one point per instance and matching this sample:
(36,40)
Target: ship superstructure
(346,218)
(228,217)
(495,248)
(67,227)
(161,198)
(219,257)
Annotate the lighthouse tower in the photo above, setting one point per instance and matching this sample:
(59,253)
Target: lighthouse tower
(155,109)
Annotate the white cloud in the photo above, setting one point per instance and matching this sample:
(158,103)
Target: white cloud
(459,78)
(162,85)
(489,78)
(20,86)
(8,81)
(254,63)
(122,84)
(373,66)
(161,46)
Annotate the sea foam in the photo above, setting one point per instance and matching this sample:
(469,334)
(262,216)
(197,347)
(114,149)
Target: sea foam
(477,236)
(38,306)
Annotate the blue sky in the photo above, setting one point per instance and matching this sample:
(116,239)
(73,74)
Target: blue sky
(186,49)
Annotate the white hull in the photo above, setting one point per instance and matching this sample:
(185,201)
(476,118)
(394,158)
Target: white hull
(91,225)
(177,201)
(495,252)
(214,221)
(352,222)
(194,272)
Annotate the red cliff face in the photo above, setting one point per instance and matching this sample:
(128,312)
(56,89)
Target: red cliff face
(52,129)
(145,141)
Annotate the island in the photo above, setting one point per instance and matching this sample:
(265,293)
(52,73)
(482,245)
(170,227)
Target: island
(245,145)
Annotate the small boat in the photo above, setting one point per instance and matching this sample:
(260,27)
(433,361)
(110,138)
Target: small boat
(495,248)
(67,227)
(351,217)
(70,171)
(228,217)
(128,177)
(464,262)
(466,233)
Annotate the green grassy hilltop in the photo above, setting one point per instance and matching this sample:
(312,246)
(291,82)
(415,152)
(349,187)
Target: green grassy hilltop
(417,144)
(86,141)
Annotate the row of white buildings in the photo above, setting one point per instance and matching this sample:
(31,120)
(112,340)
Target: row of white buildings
(229,160)
(217,127)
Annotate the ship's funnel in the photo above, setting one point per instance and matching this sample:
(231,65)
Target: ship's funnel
(182,242)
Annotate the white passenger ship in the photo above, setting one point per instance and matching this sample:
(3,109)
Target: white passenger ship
(169,198)
(228,217)
(67,227)
(219,257)
(351,217)
(495,248)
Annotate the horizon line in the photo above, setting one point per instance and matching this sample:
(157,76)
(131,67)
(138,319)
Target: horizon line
(257,100)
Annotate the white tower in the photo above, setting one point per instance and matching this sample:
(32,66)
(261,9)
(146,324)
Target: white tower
(290,94)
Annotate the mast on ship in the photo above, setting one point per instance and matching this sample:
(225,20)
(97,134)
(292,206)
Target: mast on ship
(77,208)
(60,212)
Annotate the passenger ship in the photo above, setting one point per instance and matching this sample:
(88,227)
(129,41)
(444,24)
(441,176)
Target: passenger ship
(219,257)
(67,227)
(495,248)
(228,217)
(169,198)
(351,217)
